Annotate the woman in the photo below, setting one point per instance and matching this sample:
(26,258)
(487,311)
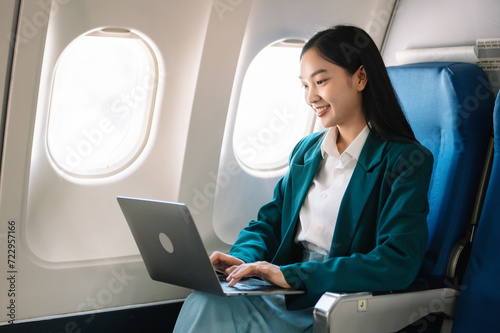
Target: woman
(350,213)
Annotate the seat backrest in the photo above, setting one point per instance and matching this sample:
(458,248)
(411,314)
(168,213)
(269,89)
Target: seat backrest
(449,106)
(478,306)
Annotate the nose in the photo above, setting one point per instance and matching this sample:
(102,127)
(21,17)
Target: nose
(312,96)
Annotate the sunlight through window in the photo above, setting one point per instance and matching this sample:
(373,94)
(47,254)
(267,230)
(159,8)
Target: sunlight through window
(272,115)
(101,105)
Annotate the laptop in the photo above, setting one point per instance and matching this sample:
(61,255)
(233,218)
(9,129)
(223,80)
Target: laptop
(173,252)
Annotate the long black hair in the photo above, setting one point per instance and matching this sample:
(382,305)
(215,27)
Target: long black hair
(350,47)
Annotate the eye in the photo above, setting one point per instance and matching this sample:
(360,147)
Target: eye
(319,82)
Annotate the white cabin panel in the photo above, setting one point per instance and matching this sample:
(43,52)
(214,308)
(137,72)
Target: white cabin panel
(74,251)
(440,23)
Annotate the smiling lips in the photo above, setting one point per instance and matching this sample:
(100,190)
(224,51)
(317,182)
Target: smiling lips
(321,110)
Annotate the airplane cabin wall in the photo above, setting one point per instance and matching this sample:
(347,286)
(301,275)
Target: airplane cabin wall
(441,23)
(89,261)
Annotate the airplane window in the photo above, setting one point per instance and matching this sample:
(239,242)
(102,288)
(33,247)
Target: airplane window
(101,104)
(272,115)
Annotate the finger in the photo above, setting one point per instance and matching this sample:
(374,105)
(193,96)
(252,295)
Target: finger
(230,269)
(239,272)
(219,258)
(246,270)
(215,257)
(218,265)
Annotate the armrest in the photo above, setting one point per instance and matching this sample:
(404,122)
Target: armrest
(364,312)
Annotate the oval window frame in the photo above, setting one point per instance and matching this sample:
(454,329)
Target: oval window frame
(145,92)
(279,119)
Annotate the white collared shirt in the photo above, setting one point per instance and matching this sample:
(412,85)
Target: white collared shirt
(318,215)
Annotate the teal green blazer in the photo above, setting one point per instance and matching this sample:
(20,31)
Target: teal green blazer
(381,232)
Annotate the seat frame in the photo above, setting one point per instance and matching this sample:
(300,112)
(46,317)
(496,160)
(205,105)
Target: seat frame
(362,312)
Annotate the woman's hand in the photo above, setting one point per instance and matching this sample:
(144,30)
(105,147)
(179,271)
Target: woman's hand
(266,271)
(236,269)
(223,262)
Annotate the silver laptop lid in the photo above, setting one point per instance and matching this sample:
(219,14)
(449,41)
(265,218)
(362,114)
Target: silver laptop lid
(171,251)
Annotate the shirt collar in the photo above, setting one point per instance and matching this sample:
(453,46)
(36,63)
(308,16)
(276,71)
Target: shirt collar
(329,146)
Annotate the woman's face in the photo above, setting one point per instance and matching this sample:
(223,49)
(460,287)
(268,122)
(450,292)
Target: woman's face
(333,95)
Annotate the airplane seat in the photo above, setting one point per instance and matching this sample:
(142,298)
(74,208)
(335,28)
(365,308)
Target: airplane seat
(478,308)
(449,106)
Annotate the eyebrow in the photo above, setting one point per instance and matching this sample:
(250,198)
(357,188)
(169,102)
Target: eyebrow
(319,71)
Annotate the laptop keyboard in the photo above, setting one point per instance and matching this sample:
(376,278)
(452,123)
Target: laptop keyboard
(247,283)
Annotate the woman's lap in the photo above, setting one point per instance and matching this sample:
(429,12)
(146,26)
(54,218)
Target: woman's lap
(204,312)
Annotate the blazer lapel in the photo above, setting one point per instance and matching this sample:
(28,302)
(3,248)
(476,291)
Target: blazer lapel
(361,185)
(301,176)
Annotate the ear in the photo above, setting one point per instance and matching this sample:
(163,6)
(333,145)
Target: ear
(361,78)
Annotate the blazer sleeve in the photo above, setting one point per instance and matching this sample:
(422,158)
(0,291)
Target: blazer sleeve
(399,247)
